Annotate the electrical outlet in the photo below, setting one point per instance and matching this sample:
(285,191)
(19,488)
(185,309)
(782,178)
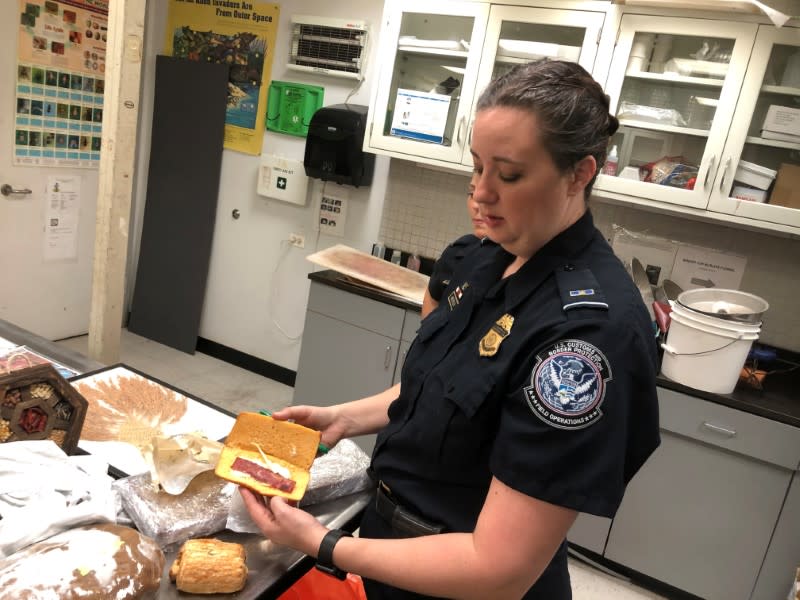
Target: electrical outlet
(297,239)
(333,212)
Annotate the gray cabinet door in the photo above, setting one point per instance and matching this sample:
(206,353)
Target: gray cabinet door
(590,532)
(699,518)
(340,362)
(783,556)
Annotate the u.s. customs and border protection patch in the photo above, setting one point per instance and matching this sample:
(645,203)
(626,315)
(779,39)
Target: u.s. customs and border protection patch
(499,330)
(568,384)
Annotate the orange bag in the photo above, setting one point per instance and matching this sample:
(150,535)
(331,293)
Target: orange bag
(316,585)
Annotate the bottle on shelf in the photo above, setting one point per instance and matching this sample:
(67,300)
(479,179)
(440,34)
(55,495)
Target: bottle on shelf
(612,161)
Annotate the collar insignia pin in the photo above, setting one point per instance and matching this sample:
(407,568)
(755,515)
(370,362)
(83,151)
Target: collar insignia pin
(490,343)
(455,296)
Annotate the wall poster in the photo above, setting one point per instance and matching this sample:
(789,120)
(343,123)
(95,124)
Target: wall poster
(242,35)
(60,82)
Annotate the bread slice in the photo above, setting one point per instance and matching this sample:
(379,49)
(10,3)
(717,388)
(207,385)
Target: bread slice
(289,449)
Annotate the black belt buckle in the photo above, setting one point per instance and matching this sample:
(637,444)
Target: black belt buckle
(402,520)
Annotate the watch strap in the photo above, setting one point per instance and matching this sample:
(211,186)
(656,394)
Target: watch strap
(325,553)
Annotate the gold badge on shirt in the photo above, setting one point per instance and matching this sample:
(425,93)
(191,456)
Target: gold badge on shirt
(490,343)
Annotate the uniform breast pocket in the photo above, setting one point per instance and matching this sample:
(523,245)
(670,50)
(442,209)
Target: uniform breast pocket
(471,422)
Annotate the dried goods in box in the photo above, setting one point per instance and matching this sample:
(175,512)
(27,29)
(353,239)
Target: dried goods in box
(36,403)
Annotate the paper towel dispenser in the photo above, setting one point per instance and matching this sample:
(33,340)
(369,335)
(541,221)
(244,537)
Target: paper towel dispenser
(333,145)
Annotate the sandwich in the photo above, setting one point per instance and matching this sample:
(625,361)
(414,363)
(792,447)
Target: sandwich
(270,457)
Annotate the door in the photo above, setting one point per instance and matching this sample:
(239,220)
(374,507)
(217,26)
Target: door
(49,295)
(518,35)
(429,58)
(760,171)
(674,83)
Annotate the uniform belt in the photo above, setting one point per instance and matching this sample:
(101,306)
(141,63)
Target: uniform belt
(402,520)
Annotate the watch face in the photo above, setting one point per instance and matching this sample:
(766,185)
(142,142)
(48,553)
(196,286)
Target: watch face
(332,571)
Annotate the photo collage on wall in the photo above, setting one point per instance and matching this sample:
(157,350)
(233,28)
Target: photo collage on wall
(60,83)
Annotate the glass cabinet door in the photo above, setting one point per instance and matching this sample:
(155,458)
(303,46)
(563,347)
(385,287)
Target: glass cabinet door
(760,174)
(674,84)
(427,78)
(519,35)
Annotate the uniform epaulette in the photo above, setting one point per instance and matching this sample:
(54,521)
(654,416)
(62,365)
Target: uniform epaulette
(578,288)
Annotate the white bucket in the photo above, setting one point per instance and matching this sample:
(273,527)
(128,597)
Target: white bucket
(706,353)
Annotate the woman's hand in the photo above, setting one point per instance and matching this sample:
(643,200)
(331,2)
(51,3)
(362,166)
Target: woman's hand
(284,524)
(325,419)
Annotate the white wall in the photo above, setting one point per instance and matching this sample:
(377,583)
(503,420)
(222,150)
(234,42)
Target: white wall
(258,286)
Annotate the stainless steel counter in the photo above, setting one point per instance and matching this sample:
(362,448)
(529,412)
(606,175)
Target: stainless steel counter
(272,569)
(65,356)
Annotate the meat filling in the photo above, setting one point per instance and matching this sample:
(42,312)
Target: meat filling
(263,474)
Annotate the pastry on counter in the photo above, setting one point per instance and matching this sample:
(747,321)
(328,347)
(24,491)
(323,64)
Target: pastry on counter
(209,566)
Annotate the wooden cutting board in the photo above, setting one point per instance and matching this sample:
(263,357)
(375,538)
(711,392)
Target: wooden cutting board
(374,271)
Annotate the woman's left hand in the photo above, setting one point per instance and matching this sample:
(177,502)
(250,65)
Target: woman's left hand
(283,524)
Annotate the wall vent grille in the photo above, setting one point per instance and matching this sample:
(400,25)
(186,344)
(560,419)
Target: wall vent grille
(329,46)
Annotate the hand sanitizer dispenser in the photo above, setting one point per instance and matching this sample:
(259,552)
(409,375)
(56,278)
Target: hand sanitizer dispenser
(333,146)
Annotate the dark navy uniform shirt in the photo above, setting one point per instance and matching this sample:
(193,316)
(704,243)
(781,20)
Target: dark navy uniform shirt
(544,379)
(446,264)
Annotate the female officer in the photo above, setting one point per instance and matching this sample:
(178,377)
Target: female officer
(528,395)
(453,255)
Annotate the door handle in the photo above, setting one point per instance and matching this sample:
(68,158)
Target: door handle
(720,430)
(460,131)
(7,190)
(708,172)
(724,174)
(387,359)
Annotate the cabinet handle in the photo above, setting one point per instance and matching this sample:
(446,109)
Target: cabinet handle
(460,132)
(724,174)
(708,172)
(720,430)
(469,132)
(387,359)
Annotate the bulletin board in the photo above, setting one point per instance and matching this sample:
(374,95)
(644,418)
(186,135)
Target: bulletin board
(60,82)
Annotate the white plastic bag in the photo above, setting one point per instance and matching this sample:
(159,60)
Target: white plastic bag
(44,492)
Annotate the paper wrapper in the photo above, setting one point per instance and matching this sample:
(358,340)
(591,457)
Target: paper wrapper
(340,472)
(178,459)
(181,497)
(200,510)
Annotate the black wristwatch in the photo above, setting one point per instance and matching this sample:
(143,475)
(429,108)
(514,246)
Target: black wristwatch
(325,553)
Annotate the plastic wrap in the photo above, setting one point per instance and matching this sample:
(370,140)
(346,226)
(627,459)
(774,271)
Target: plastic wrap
(340,472)
(200,510)
(651,114)
(672,171)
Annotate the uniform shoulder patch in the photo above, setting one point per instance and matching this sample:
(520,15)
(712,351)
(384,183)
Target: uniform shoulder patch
(568,384)
(579,289)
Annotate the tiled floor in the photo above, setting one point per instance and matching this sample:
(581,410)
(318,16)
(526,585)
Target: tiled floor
(239,390)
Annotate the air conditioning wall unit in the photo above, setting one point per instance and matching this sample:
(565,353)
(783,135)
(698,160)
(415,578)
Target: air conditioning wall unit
(329,46)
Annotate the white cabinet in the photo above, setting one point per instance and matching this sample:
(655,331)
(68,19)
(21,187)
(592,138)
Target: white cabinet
(674,83)
(437,57)
(773,79)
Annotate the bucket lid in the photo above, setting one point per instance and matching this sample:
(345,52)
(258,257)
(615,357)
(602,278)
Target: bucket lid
(729,305)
